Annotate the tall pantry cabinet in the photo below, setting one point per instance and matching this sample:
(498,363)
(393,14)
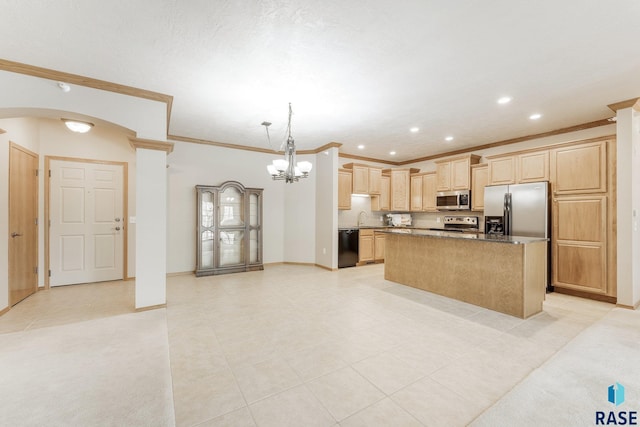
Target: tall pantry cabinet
(584,209)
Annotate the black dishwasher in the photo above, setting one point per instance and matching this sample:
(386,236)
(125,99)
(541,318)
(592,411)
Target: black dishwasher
(348,247)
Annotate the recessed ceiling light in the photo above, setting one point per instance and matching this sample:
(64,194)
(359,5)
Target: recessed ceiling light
(449,138)
(535,116)
(360,147)
(77,126)
(504,100)
(414,130)
(393,153)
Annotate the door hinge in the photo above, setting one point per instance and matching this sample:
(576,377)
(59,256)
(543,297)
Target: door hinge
(49,173)
(49,273)
(36,221)
(37,172)
(35,270)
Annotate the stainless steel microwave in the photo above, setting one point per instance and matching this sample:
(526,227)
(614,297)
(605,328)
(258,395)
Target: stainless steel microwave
(453,200)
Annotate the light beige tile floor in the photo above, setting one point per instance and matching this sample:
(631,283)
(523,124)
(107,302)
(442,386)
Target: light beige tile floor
(298,345)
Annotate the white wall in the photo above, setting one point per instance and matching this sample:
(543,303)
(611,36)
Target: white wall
(300,216)
(326,193)
(628,215)
(148,118)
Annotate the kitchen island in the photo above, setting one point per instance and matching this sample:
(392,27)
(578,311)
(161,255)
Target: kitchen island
(502,273)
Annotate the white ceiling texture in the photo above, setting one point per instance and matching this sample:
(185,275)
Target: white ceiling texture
(355,71)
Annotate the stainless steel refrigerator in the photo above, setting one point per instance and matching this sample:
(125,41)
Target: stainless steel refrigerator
(519,210)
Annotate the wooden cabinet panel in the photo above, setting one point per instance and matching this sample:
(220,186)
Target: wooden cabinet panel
(580,243)
(581,219)
(479,179)
(400,189)
(416,192)
(455,173)
(443,176)
(366,244)
(375,180)
(429,192)
(580,267)
(385,193)
(579,168)
(533,167)
(502,170)
(379,246)
(360,179)
(460,174)
(344,188)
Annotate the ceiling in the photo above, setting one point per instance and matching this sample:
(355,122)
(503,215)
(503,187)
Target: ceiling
(356,72)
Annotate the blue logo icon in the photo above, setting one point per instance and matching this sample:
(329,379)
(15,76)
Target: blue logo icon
(616,394)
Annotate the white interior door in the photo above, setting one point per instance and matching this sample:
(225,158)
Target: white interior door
(87,224)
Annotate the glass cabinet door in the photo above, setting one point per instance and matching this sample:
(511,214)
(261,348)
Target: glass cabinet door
(231,208)
(231,247)
(207,241)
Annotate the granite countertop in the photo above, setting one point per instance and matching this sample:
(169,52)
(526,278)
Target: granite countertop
(472,236)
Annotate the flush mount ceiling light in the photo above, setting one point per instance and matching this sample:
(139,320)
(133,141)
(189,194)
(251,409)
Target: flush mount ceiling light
(286,169)
(535,116)
(414,129)
(393,153)
(360,147)
(77,125)
(449,138)
(504,100)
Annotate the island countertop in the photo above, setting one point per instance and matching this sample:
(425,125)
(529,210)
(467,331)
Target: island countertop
(478,269)
(468,236)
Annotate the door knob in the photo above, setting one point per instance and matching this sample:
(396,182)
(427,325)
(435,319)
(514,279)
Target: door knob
(117,228)
(117,219)
(14,234)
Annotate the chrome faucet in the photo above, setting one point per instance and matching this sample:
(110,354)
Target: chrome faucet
(360,220)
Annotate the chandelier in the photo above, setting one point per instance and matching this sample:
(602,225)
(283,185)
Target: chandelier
(286,169)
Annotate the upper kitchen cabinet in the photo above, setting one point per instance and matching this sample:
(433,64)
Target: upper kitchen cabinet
(381,202)
(344,188)
(366,179)
(416,193)
(502,170)
(429,191)
(454,173)
(580,168)
(479,179)
(533,167)
(400,188)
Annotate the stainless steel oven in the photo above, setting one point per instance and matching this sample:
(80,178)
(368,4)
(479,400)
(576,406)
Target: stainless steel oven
(453,200)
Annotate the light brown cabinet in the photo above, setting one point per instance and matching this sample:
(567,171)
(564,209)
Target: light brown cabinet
(375,180)
(533,167)
(502,170)
(580,168)
(400,188)
(416,193)
(455,173)
(366,179)
(366,246)
(381,202)
(479,179)
(344,188)
(429,192)
(360,179)
(580,243)
(379,246)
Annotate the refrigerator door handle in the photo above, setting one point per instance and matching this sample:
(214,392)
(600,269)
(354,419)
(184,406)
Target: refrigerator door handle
(507,214)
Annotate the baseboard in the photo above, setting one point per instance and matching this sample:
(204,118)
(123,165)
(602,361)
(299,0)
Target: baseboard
(628,307)
(181,273)
(3,311)
(581,294)
(151,307)
(326,268)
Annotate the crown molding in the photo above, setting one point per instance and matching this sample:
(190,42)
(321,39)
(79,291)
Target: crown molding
(61,76)
(222,144)
(150,144)
(2,131)
(633,102)
(369,159)
(320,149)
